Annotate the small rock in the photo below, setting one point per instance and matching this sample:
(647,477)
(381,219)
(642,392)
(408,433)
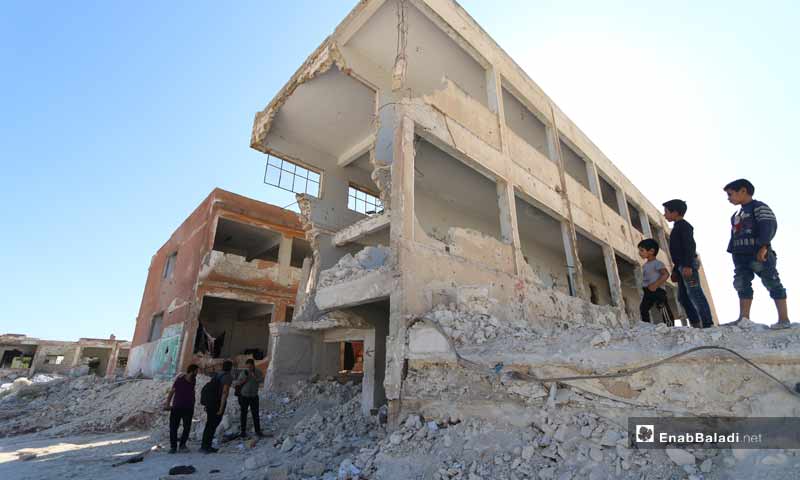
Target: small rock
(287,445)
(182,470)
(27,456)
(547,473)
(729,461)
(774,459)
(413,422)
(433,427)
(740,453)
(679,456)
(527,452)
(396,438)
(706,466)
(448,441)
(596,454)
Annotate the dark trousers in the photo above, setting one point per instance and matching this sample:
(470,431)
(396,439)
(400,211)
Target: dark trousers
(212,422)
(252,404)
(649,300)
(176,416)
(693,300)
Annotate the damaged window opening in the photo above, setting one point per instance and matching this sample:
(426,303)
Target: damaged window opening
(155,327)
(291,177)
(234,329)
(248,241)
(169,266)
(609,195)
(636,220)
(362,201)
(289,314)
(351,357)
(54,359)
(595,274)
(574,165)
(542,245)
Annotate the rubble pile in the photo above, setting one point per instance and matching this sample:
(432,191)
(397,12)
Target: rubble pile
(350,267)
(85,404)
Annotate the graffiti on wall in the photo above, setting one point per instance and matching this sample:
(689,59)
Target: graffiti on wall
(158,358)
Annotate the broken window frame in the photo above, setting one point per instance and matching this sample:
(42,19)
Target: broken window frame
(367,199)
(635,213)
(299,174)
(169,264)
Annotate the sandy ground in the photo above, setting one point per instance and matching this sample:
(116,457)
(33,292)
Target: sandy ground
(92,456)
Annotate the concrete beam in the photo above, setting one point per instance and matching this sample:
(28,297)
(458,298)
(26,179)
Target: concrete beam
(356,151)
(285,259)
(361,229)
(614,283)
(509,228)
(373,286)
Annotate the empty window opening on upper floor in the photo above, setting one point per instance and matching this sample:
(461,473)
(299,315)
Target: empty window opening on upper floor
(247,240)
(574,165)
(155,327)
(448,193)
(527,125)
(169,265)
(542,245)
(609,195)
(636,220)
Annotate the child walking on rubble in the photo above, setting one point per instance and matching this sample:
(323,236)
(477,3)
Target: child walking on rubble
(686,273)
(180,403)
(654,275)
(752,229)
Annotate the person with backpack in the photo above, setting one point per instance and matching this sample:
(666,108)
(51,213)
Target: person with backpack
(214,396)
(247,391)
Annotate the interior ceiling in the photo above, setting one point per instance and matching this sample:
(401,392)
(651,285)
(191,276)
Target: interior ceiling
(233,235)
(534,223)
(430,52)
(332,113)
(443,176)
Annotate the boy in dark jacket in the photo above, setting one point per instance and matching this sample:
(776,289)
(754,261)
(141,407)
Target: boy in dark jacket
(685,272)
(752,229)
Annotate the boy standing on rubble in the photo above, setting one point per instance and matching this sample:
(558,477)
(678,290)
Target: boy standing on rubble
(654,275)
(180,403)
(219,386)
(752,229)
(682,248)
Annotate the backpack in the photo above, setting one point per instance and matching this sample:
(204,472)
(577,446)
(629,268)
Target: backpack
(211,392)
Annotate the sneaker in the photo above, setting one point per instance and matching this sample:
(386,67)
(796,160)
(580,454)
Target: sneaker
(781,325)
(183,449)
(737,322)
(172,450)
(209,450)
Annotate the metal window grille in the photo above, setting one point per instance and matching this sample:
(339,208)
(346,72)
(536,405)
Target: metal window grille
(363,202)
(291,177)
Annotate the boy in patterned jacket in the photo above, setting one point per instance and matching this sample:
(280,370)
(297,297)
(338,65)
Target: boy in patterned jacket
(752,229)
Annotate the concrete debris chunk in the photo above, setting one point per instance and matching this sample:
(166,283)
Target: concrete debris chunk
(680,456)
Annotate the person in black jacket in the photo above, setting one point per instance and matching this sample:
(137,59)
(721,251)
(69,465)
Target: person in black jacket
(685,272)
(752,229)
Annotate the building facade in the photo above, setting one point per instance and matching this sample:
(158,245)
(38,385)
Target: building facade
(214,288)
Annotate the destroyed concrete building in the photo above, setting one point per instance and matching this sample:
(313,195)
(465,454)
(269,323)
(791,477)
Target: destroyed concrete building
(24,356)
(449,181)
(225,280)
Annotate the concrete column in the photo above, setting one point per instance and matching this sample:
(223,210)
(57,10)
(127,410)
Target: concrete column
(614,283)
(77,360)
(645,221)
(576,284)
(112,360)
(594,180)
(368,383)
(494,92)
(509,228)
(300,298)
(284,259)
(279,313)
(570,234)
(36,360)
(622,200)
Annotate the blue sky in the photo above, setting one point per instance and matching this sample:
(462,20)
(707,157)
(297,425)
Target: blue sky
(119,118)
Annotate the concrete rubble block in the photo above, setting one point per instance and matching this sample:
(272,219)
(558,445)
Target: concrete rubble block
(680,456)
(424,340)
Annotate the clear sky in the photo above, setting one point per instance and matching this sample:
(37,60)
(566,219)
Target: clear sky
(119,118)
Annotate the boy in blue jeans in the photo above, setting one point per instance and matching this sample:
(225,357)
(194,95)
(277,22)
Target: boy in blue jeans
(682,248)
(752,229)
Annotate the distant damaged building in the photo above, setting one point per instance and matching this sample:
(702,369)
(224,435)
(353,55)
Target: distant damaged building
(21,355)
(214,290)
(447,181)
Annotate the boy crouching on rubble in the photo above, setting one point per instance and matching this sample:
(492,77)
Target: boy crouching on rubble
(654,275)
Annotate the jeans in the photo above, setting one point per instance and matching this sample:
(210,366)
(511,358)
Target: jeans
(176,416)
(212,422)
(649,299)
(252,404)
(746,267)
(693,300)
